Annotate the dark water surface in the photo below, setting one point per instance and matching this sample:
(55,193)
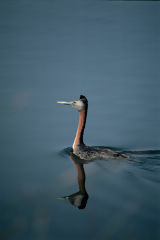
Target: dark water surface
(57,50)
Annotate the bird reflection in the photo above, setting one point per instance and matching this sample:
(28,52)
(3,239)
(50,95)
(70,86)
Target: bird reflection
(78,199)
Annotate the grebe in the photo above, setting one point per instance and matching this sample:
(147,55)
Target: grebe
(79,148)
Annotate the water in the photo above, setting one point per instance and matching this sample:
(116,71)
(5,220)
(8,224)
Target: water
(57,50)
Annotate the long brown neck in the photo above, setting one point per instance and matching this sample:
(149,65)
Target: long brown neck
(80,130)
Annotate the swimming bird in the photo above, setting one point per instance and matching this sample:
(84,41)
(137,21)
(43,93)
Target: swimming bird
(79,148)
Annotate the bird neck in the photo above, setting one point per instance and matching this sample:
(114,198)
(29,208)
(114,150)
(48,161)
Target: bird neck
(80,130)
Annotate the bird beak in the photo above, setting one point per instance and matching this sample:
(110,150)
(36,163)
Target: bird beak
(66,103)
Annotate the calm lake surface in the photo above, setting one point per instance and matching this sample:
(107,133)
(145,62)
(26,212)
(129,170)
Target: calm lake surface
(57,50)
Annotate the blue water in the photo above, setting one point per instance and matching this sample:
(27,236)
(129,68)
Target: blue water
(56,50)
